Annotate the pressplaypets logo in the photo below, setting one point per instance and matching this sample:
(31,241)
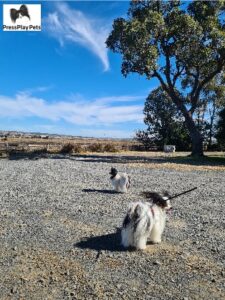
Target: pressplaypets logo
(25,17)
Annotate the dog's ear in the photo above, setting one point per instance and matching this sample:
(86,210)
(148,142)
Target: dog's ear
(151,195)
(156,198)
(24,11)
(113,171)
(166,194)
(13,14)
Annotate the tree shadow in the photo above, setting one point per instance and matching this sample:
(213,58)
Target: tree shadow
(110,242)
(36,155)
(100,191)
(123,159)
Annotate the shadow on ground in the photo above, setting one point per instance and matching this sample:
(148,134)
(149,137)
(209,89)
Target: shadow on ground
(110,242)
(124,159)
(99,191)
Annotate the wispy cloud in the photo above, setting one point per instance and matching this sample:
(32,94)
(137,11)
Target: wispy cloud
(97,112)
(107,133)
(66,24)
(38,89)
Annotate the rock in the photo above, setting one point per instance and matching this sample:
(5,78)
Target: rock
(158,263)
(13,290)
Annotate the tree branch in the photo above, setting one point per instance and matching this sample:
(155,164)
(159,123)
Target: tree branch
(198,89)
(196,84)
(157,75)
(179,72)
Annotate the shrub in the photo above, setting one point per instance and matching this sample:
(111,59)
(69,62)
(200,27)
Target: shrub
(67,148)
(109,148)
(95,147)
(77,149)
(40,151)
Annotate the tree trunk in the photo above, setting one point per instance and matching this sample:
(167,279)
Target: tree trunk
(197,144)
(196,137)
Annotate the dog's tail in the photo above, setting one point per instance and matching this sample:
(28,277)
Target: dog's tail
(128,182)
(133,214)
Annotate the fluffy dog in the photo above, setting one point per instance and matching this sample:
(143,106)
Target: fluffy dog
(120,182)
(145,220)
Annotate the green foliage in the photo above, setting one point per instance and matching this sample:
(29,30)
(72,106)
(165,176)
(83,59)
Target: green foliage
(165,125)
(195,38)
(183,46)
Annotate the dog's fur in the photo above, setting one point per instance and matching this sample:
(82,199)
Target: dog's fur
(121,182)
(22,12)
(145,220)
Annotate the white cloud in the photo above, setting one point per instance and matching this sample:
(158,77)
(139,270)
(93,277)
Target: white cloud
(97,112)
(38,89)
(67,24)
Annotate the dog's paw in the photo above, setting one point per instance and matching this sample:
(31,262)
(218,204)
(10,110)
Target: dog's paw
(156,242)
(141,248)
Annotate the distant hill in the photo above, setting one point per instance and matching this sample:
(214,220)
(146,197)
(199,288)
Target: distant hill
(7,133)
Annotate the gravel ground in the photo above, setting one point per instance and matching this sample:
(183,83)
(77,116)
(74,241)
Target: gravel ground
(59,236)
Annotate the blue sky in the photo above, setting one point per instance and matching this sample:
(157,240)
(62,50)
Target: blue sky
(64,80)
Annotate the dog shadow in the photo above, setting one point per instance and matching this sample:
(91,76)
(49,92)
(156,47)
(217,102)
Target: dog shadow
(108,242)
(100,191)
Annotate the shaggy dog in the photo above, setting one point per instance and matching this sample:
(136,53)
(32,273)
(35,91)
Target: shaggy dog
(120,182)
(145,220)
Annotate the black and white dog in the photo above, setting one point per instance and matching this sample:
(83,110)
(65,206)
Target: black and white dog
(16,14)
(145,220)
(121,182)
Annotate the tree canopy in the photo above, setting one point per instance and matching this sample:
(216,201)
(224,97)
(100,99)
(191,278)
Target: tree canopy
(180,44)
(165,125)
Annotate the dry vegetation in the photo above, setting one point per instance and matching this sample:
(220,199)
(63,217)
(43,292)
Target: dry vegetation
(68,145)
(127,149)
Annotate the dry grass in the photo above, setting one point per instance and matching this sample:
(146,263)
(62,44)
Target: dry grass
(45,273)
(177,167)
(163,248)
(215,161)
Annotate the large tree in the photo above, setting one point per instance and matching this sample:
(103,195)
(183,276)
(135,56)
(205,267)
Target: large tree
(165,125)
(213,99)
(221,129)
(182,45)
